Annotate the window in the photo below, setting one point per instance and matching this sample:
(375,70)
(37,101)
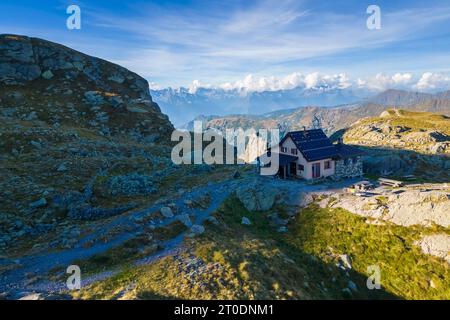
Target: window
(294,151)
(315,167)
(355,160)
(346,162)
(327,164)
(283,149)
(301,167)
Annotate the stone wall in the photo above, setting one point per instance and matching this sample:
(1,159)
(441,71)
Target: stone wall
(348,168)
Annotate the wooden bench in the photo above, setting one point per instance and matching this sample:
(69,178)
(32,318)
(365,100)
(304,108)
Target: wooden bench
(390,182)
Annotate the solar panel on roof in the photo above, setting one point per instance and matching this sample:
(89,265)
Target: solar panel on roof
(308,135)
(318,154)
(314,144)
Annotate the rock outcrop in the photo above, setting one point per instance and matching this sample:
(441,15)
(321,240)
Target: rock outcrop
(401,143)
(81,139)
(403,207)
(437,245)
(42,80)
(256,196)
(417,131)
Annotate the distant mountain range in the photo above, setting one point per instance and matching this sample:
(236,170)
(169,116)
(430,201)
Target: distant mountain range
(405,98)
(332,118)
(183,104)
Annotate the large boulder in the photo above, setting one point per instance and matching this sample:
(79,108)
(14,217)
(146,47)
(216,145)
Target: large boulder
(166,212)
(406,208)
(257,196)
(440,147)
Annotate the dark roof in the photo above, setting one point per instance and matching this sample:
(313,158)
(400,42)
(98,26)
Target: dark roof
(313,144)
(285,159)
(346,151)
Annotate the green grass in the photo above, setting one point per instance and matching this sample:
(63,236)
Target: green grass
(256,262)
(406,272)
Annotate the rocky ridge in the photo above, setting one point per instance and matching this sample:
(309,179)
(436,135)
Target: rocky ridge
(81,139)
(45,81)
(405,207)
(418,131)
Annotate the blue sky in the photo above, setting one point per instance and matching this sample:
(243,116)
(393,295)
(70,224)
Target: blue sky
(221,43)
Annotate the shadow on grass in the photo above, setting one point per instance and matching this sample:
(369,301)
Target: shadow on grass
(258,262)
(274,265)
(431,168)
(416,167)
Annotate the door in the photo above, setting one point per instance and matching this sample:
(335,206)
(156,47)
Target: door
(316,170)
(293,168)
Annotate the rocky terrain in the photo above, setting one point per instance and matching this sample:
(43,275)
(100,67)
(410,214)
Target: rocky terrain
(410,206)
(85,158)
(403,143)
(87,180)
(81,139)
(406,206)
(417,131)
(309,239)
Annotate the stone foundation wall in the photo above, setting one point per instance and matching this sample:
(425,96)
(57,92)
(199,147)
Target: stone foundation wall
(350,169)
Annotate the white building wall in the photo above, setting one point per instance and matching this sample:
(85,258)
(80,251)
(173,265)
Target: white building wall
(289,144)
(323,172)
(307,173)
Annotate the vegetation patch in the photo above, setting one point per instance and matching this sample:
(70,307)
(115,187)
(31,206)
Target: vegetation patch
(405,271)
(235,261)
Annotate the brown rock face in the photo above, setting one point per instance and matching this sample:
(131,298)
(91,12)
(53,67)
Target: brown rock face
(60,85)
(76,133)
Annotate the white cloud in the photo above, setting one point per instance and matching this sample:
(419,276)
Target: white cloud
(179,45)
(154,86)
(250,83)
(195,85)
(428,81)
(383,81)
(404,78)
(433,81)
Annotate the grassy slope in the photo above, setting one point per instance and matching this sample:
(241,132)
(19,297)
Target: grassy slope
(256,262)
(413,123)
(415,120)
(405,271)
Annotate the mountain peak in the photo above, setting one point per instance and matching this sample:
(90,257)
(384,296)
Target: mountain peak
(61,85)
